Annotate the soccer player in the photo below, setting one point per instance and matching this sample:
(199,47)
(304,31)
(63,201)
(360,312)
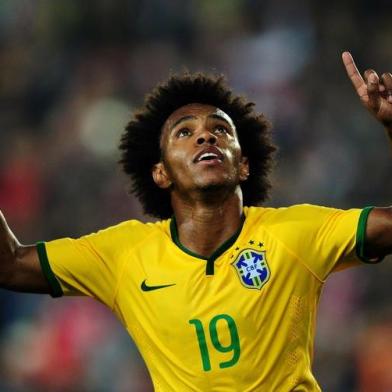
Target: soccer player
(217,296)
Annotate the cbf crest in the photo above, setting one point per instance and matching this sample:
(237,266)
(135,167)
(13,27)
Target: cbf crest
(252,268)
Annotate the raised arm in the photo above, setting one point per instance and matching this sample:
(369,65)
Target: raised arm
(20,269)
(375,94)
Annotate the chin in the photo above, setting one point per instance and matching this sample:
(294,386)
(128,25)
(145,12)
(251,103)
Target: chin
(217,186)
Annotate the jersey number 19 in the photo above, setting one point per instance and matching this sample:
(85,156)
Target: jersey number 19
(233,346)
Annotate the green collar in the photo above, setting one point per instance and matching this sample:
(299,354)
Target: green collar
(220,250)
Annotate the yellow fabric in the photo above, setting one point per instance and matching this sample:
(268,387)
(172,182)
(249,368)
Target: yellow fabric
(274,324)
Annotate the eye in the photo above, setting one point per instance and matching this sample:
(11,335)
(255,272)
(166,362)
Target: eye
(220,129)
(183,132)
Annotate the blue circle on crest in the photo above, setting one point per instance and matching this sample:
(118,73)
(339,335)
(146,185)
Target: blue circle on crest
(252,268)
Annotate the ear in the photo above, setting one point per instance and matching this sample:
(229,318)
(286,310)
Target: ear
(244,169)
(160,176)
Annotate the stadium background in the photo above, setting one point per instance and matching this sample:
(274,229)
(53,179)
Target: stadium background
(71,72)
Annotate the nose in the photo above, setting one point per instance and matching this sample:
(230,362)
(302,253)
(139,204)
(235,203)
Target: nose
(206,137)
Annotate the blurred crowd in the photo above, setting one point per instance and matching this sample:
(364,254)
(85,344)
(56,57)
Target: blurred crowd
(71,74)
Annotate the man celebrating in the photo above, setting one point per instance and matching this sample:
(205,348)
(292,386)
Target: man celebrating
(217,296)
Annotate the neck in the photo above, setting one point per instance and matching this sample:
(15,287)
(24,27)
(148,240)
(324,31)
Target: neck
(204,223)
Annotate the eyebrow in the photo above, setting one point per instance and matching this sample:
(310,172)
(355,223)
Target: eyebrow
(190,117)
(180,120)
(219,117)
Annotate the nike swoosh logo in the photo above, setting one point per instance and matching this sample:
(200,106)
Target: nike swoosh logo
(144,286)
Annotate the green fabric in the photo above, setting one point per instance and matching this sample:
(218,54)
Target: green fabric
(361,237)
(55,288)
(210,260)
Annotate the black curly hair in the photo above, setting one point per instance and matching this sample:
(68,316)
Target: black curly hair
(140,143)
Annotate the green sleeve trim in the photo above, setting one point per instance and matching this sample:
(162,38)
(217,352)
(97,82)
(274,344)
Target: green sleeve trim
(55,288)
(361,237)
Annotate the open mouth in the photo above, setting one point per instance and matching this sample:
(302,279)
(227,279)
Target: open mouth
(210,155)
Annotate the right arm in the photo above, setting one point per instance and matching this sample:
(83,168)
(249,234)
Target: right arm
(20,269)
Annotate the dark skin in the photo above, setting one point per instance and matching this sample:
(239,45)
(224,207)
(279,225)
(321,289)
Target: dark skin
(375,94)
(206,195)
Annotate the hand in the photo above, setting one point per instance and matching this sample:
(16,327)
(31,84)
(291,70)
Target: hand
(375,93)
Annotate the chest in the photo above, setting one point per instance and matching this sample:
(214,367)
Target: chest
(258,300)
(251,282)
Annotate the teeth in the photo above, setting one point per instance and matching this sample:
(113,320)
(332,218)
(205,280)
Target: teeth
(207,155)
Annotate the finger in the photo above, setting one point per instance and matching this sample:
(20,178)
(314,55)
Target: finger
(353,73)
(381,87)
(386,79)
(367,73)
(373,90)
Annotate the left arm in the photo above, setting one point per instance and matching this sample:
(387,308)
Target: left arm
(379,233)
(375,94)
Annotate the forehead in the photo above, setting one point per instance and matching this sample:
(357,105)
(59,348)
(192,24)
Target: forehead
(197,110)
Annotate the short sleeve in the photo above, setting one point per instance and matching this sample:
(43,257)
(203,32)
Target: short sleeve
(327,239)
(87,266)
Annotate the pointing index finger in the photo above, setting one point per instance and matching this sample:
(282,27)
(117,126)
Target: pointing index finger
(352,72)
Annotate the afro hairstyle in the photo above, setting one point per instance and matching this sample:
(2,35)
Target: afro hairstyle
(140,142)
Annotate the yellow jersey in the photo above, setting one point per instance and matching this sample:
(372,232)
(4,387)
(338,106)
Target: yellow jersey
(241,320)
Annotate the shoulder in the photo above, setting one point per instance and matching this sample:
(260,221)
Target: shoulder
(304,216)
(129,232)
(293,213)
